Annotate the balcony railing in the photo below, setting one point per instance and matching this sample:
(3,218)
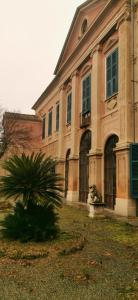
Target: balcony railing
(85,119)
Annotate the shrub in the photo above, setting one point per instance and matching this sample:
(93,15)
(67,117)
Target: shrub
(37,189)
(36,223)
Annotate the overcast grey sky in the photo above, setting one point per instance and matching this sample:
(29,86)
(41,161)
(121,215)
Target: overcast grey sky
(32,33)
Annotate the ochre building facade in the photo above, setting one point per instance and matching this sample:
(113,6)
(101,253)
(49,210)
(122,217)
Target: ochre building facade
(89,111)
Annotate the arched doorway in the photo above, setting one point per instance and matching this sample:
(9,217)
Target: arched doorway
(85,146)
(67,172)
(110,172)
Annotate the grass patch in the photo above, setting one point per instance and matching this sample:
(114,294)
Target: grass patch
(90,259)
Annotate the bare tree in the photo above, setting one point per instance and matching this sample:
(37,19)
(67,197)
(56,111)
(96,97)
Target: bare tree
(16,133)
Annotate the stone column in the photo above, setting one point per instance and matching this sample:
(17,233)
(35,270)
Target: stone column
(95,154)
(73,192)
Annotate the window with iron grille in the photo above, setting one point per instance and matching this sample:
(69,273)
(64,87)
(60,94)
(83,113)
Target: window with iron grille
(69,107)
(57,117)
(43,127)
(50,123)
(112,74)
(86,94)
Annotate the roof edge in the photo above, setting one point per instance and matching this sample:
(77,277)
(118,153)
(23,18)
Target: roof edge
(70,29)
(19,116)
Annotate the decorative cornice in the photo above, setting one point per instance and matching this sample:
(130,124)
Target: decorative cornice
(58,72)
(61,160)
(96,152)
(122,147)
(125,17)
(68,87)
(110,43)
(97,48)
(75,73)
(62,88)
(74,157)
(85,69)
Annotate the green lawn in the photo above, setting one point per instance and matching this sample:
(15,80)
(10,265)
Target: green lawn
(92,259)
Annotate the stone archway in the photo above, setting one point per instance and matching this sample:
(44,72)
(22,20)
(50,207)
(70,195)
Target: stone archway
(85,146)
(110,172)
(67,172)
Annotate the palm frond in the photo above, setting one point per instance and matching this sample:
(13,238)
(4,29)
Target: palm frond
(30,178)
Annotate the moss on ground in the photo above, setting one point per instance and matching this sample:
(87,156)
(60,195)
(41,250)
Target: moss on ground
(91,259)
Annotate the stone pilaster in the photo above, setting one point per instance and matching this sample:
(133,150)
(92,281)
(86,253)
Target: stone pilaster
(125,96)
(136,70)
(75,115)
(62,114)
(125,206)
(96,97)
(73,191)
(95,170)
(95,155)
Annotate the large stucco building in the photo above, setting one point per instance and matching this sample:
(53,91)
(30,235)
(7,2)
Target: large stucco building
(90,110)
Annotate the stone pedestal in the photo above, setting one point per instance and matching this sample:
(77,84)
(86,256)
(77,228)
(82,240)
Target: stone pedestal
(96,209)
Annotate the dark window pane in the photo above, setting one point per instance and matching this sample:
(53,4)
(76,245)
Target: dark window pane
(109,74)
(109,61)
(50,123)
(57,117)
(69,107)
(109,89)
(43,127)
(86,100)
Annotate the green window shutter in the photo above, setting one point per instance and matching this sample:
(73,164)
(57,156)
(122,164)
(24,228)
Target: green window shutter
(86,95)
(109,76)
(43,127)
(115,71)
(57,117)
(69,107)
(50,123)
(89,93)
(112,74)
(134,170)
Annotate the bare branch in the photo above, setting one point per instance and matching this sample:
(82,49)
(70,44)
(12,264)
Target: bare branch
(16,132)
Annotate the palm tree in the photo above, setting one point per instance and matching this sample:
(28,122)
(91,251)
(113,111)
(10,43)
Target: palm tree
(37,189)
(31,179)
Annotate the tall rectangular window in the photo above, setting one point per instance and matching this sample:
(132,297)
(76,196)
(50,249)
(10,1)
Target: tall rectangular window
(86,94)
(43,127)
(50,123)
(112,74)
(69,107)
(57,117)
